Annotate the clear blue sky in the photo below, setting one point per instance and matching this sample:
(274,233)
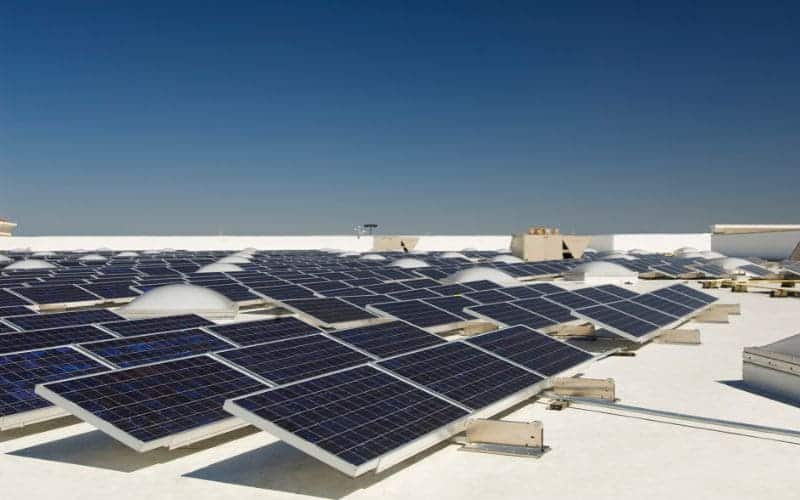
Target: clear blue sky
(305,117)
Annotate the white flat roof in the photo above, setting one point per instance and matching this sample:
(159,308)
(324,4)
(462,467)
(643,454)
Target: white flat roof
(594,454)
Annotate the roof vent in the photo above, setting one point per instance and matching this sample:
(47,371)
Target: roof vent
(171,300)
(372,256)
(409,263)
(29,264)
(507,259)
(599,272)
(480,274)
(220,267)
(92,257)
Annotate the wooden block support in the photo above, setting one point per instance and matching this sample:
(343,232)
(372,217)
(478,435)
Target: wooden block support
(585,387)
(682,336)
(586,330)
(505,432)
(712,315)
(735,309)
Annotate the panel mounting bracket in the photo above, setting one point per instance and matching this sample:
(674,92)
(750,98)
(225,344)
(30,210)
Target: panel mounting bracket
(596,388)
(504,437)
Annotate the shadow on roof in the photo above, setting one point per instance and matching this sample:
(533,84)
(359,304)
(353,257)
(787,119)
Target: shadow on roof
(279,467)
(97,449)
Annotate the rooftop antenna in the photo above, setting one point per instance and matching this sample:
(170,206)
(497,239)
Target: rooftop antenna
(370,228)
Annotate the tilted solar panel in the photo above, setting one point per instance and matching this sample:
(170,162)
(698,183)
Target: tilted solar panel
(53,320)
(705,298)
(481,285)
(463,374)
(294,359)
(679,298)
(284,292)
(154,347)
(597,295)
(454,305)
(522,292)
(388,288)
(620,292)
(571,300)
(531,349)
(51,337)
(9,299)
(421,293)
(20,372)
(454,289)
(329,311)
(14,311)
(416,312)
(56,294)
(645,313)
(150,406)
(265,330)
(663,305)
(365,300)
(387,339)
(351,419)
(489,296)
(619,322)
(130,328)
(507,314)
(550,310)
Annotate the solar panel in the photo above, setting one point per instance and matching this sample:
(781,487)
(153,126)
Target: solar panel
(420,293)
(295,359)
(265,330)
(20,372)
(40,339)
(679,298)
(130,328)
(111,291)
(416,312)
(454,289)
(454,305)
(597,295)
(531,349)
(150,406)
(388,288)
(4,328)
(463,374)
(663,305)
(550,310)
(645,313)
(360,282)
(155,347)
(235,292)
(350,291)
(754,270)
(507,314)
(620,292)
(321,286)
(481,285)
(352,419)
(522,292)
(9,299)
(56,294)
(54,320)
(329,311)
(365,300)
(284,292)
(546,288)
(14,311)
(421,283)
(571,300)
(387,339)
(695,294)
(489,296)
(618,322)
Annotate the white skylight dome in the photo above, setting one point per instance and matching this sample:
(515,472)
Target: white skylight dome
(29,264)
(479,274)
(618,255)
(710,254)
(453,255)
(171,300)
(692,255)
(372,256)
(638,251)
(220,267)
(507,259)
(469,249)
(5,259)
(589,250)
(409,263)
(234,259)
(151,252)
(503,250)
(599,272)
(418,252)
(683,250)
(730,263)
(244,254)
(349,254)
(127,255)
(92,257)
(43,253)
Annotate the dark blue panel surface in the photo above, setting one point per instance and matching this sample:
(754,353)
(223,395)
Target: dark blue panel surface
(531,349)
(42,321)
(388,339)
(454,305)
(462,373)
(20,372)
(356,415)
(510,315)
(51,337)
(543,307)
(329,310)
(417,313)
(265,330)
(55,294)
(153,325)
(618,320)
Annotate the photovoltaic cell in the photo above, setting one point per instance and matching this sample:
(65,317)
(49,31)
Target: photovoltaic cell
(508,314)
(329,311)
(663,305)
(597,295)
(9,299)
(531,349)
(481,285)
(421,283)
(462,373)
(618,321)
(522,292)
(52,337)
(421,293)
(54,320)
(295,359)
(354,416)
(4,328)
(130,328)
(546,288)
(550,310)
(454,305)
(111,290)
(154,402)
(387,339)
(679,298)
(284,292)
(55,294)
(454,289)
(695,294)
(144,349)
(571,300)
(388,288)
(489,296)
(20,372)
(417,313)
(620,292)
(365,300)
(265,330)
(639,311)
